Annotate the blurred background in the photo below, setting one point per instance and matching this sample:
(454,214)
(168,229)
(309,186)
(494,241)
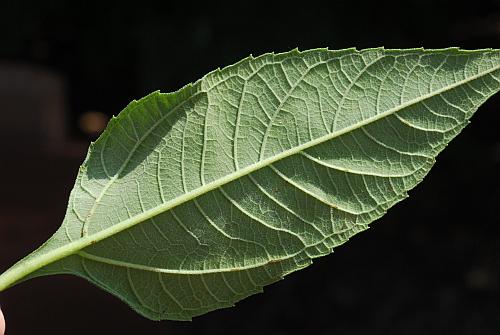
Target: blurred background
(430,266)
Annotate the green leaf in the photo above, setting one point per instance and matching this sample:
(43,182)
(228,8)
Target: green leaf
(193,200)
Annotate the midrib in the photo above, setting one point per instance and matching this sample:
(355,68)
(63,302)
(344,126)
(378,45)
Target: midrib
(73,247)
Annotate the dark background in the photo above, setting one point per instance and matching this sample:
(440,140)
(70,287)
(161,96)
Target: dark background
(430,266)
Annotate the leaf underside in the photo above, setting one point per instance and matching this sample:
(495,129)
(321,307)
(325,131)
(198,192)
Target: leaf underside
(191,201)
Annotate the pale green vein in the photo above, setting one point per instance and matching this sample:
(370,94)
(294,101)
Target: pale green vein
(31,264)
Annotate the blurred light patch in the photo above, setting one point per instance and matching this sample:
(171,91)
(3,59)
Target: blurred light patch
(480,279)
(93,123)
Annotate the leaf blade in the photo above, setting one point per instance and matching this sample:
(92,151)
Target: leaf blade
(303,195)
